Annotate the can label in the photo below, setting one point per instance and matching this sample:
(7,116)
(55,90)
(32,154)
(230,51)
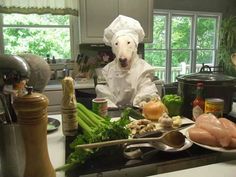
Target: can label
(99,106)
(214,106)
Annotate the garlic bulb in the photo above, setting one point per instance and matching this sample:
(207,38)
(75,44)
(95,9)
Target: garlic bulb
(165,120)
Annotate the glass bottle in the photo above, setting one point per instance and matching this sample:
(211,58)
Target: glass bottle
(198,102)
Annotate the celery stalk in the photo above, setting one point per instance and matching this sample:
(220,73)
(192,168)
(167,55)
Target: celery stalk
(90,114)
(86,119)
(84,125)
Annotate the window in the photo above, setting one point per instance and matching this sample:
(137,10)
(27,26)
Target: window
(182,41)
(37,34)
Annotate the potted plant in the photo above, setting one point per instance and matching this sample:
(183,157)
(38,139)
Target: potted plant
(227,48)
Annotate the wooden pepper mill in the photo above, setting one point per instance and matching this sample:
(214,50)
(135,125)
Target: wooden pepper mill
(31,112)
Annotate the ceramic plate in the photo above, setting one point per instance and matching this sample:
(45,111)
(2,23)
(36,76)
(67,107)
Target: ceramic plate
(53,124)
(219,149)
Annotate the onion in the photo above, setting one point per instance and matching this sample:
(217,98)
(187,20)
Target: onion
(153,110)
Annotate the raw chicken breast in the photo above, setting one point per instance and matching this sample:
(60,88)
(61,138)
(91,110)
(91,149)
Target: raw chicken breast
(212,125)
(229,125)
(232,143)
(202,136)
(208,118)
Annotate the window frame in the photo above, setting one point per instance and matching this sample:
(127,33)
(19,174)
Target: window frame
(73,28)
(193,42)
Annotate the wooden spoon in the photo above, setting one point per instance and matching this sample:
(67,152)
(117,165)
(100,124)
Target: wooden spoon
(172,138)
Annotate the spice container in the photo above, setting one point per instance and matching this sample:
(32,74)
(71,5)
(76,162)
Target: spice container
(214,106)
(31,112)
(99,106)
(68,107)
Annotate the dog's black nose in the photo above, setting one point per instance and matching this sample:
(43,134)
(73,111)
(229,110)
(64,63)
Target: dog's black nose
(123,60)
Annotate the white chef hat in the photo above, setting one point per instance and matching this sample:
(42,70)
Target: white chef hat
(123,25)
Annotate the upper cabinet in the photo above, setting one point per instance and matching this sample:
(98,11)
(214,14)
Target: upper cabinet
(96,15)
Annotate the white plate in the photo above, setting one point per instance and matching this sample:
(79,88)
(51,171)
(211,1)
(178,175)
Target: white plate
(219,149)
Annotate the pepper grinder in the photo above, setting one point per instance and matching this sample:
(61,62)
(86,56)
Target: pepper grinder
(31,112)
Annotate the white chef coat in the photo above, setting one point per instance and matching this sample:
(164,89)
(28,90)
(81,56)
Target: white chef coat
(128,87)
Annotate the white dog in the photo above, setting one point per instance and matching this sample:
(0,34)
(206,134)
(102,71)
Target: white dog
(128,77)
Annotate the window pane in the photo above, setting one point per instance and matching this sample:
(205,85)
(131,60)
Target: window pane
(180,32)
(43,41)
(157,58)
(205,56)
(159,33)
(34,19)
(180,63)
(206,31)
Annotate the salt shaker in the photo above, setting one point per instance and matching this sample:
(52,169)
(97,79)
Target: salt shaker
(32,117)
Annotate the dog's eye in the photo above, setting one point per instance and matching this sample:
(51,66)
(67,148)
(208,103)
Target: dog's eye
(128,42)
(116,43)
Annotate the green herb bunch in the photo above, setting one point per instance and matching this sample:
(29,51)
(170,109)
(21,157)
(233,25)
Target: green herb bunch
(94,129)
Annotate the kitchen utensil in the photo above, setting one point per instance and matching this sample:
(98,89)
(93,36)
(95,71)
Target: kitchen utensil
(13,69)
(12,151)
(145,150)
(216,85)
(32,116)
(173,138)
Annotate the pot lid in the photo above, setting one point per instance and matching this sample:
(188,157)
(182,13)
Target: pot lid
(206,77)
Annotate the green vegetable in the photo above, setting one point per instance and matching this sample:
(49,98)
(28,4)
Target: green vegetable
(95,129)
(173,103)
(130,112)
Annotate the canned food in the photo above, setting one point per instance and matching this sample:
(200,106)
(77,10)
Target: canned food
(214,106)
(99,106)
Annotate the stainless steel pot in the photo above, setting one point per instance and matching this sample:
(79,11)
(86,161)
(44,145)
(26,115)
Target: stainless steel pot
(216,85)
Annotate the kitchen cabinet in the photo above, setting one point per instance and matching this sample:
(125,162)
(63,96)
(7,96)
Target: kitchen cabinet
(96,15)
(54,97)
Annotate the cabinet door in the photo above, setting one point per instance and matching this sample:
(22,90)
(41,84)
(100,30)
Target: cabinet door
(54,97)
(95,16)
(141,10)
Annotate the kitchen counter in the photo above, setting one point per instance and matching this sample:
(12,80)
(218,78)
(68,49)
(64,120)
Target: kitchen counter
(226,169)
(56,146)
(79,84)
